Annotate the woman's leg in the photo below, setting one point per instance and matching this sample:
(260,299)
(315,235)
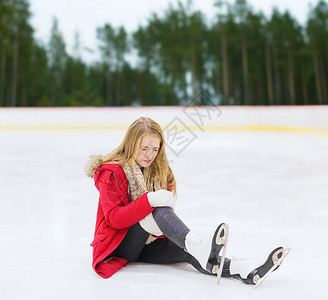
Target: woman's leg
(171,225)
(132,244)
(164,251)
(168,250)
(205,251)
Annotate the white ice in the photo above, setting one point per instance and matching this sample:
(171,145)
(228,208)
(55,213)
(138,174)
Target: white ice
(271,187)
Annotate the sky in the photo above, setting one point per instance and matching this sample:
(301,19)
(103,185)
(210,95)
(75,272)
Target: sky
(85,16)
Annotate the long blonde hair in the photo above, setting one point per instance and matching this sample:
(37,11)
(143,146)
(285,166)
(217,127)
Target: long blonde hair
(126,153)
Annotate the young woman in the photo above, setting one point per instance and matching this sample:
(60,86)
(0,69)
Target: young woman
(136,221)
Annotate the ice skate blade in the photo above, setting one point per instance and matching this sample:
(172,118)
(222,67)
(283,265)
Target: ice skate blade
(222,238)
(277,262)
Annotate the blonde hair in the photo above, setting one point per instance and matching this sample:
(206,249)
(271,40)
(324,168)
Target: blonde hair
(126,153)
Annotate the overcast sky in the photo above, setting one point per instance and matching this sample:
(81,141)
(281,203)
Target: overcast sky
(85,16)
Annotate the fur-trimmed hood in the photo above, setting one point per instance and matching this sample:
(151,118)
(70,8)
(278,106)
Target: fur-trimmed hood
(94,162)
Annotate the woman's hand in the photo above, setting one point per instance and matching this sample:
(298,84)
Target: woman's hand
(161,198)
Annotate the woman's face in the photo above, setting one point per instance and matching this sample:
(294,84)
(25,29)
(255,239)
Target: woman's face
(149,147)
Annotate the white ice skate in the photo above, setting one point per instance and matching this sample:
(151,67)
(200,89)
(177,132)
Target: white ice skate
(256,270)
(209,252)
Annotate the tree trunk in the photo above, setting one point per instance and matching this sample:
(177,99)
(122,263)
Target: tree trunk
(195,86)
(245,69)
(109,87)
(269,74)
(234,90)
(125,92)
(218,84)
(54,90)
(291,79)
(304,87)
(317,78)
(323,82)
(141,90)
(24,95)
(225,69)
(185,85)
(194,71)
(2,77)
(15,70)
(277,77)
(118,91)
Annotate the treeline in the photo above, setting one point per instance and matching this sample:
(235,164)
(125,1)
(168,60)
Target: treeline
(243,58)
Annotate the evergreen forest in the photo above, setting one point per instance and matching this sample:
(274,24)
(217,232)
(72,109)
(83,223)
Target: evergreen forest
(241,58)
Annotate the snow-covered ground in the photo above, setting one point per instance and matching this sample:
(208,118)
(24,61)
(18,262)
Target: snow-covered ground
(271,186)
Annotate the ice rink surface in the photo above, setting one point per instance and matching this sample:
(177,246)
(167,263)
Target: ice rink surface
(270,186)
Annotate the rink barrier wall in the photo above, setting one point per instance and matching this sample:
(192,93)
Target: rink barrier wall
(302,119)
(323,133)
(205,128)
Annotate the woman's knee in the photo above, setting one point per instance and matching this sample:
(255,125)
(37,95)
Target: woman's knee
(160,212)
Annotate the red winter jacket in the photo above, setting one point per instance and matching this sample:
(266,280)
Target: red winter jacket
(114,217)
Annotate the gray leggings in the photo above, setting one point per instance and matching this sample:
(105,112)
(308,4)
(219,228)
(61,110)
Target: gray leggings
(167,250)
(171,225)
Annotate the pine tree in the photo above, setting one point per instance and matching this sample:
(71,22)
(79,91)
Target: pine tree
(57,58)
